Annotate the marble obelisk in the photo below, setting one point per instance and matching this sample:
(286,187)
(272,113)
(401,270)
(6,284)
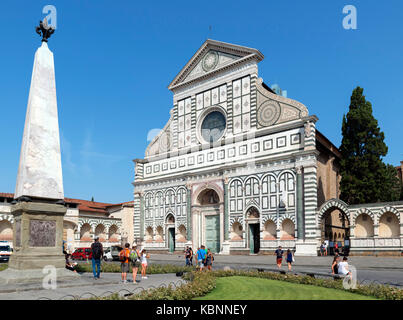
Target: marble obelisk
(39,199)
(40,168)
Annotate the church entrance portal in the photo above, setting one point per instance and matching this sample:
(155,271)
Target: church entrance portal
(254,237)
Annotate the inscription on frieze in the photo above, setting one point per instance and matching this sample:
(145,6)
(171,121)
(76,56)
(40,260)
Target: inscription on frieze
(42,233)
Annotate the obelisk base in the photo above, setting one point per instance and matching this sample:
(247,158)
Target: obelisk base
(38,243)
(37,276)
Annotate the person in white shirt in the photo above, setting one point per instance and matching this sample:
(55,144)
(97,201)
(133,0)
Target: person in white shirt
(343,267)
(144,257)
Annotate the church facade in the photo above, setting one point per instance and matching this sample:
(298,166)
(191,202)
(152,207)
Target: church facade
(237,168)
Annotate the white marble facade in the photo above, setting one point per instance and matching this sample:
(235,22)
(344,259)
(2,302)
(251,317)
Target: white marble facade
(223,171)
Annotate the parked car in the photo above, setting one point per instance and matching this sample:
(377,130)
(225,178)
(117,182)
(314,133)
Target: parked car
(108,254)
(82,254)
(5,250)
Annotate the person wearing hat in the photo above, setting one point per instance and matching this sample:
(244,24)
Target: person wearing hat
(97,254)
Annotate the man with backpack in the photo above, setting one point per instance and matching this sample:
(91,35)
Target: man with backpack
(97,254)
(124,257)
(201,255)
(135,261)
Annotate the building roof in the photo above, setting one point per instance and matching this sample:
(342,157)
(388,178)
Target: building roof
(82,205)
(327,144)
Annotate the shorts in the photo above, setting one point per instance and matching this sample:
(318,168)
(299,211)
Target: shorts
(144,264)
(124,267)
(136,264)
(279,260)
(200,264)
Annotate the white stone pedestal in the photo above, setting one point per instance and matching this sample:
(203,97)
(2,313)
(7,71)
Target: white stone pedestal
(306,248)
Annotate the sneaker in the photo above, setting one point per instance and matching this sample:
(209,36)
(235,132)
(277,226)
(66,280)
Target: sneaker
(145,278)
(124,281)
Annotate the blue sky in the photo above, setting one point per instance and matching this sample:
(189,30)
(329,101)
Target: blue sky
(114,61)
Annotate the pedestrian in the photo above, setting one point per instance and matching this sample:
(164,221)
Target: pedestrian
(209,259)
(279,256)
(144,257)
(124,256)
(326,244)
(97,254)
(322,249)
(336,248)
(200,257)
(187,256)
(335,264)
(290,259)
(191,256)
(135,262)
(343,267)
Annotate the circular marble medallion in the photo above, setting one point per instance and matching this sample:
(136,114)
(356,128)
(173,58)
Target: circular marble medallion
(210,61)
(268,113)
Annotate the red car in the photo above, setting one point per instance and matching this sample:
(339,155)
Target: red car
(82,254)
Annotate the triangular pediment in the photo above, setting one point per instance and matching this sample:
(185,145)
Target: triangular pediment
(211,58)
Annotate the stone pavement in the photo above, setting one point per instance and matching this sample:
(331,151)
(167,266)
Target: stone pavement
(87,287)
(360,262)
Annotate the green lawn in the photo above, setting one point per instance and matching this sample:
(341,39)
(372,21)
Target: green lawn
(249,288)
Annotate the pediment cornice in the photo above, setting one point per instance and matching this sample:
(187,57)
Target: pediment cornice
(243,54)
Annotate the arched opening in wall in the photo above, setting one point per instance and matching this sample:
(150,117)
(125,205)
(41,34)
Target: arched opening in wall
(335,229)
(208,197)
(270,232)
(68,235)
(389,226)
(181,237)
(100,232)
(149,234)
(252,218)
(159,236)
(364,226)
(113,233)
(85,232)
(6,230)
(170,222)
(252,213)
(287,230)
(236,231)
(170,218)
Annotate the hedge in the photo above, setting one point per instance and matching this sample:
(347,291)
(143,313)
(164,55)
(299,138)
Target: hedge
(151,269)
(201,283)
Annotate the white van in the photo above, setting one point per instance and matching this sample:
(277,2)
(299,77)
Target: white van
(6,249)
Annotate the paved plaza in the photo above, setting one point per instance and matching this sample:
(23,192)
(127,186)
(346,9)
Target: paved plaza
(86,287)
(386,270)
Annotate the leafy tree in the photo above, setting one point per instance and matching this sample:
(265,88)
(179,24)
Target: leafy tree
(365,178)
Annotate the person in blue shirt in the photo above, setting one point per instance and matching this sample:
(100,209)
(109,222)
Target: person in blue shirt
(290,259)
(201,255)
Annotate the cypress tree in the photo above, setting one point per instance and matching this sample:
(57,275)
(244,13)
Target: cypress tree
(365,178)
